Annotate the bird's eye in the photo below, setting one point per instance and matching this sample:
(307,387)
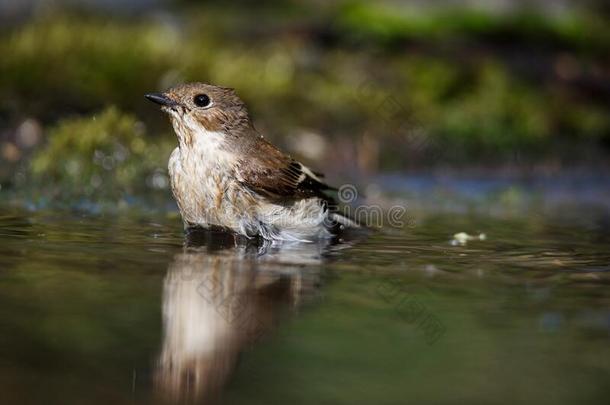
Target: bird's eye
(202,100)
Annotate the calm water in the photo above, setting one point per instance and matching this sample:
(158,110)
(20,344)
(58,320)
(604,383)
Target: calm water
(125,310)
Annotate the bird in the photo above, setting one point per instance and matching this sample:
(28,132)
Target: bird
(226,176)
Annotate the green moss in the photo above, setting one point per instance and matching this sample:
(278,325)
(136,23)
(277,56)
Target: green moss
(104,157)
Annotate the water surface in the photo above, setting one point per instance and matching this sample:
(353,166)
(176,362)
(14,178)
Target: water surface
(125,309)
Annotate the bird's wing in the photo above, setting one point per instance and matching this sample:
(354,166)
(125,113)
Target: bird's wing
(276,175)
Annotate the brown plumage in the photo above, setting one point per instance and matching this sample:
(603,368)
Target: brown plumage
(224,173)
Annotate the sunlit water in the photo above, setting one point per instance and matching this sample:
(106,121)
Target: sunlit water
(120,309)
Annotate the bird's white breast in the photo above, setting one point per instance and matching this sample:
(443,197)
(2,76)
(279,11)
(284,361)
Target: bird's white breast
(208,192)
(201,177)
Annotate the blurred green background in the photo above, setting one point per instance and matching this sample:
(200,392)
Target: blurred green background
(351,87)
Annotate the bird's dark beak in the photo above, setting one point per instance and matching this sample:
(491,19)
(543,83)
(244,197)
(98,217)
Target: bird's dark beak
(161,99)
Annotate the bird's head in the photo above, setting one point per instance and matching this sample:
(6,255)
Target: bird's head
(199,108)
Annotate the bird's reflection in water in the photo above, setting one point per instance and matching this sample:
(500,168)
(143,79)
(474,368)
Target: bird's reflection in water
(219,297)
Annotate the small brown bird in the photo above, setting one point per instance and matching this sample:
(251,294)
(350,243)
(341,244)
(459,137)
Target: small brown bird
(224,174)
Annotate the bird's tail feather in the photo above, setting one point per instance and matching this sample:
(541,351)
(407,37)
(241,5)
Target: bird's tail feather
(344,220)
